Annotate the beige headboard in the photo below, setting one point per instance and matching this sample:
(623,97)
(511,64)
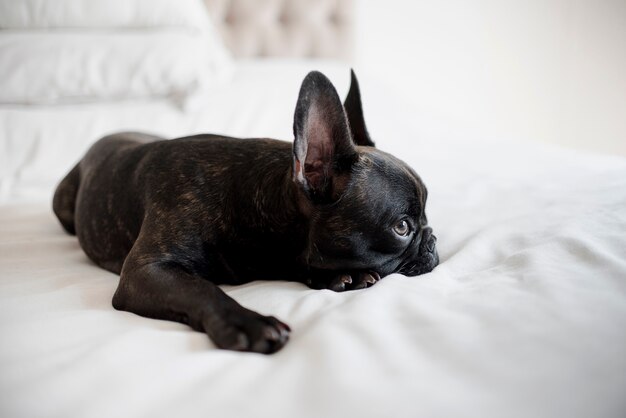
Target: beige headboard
(285,28)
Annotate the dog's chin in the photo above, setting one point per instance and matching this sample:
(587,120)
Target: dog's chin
(425,263)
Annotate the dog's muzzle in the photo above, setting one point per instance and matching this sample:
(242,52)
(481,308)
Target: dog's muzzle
(427,257)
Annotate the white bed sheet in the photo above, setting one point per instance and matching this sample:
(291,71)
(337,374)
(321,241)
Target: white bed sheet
(523,317)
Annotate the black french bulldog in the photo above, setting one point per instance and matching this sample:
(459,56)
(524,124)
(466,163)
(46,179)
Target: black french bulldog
(175,218)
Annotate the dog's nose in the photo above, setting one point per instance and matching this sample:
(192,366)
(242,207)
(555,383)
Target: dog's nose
(429,239)
(430,244)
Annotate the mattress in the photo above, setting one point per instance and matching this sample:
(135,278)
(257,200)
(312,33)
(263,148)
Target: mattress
(523,317)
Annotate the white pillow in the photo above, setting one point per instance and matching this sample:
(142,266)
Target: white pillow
(69,67)
(50,14)
(68,51)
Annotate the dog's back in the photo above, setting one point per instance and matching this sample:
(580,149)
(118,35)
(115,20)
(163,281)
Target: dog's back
(102,199)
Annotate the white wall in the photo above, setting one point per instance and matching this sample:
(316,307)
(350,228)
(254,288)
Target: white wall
(546,70)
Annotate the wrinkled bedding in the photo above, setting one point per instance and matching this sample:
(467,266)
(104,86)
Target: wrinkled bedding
(524,317)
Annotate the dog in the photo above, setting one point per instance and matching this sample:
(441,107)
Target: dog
(176,218)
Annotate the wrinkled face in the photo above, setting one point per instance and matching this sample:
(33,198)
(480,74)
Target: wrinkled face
(378,223)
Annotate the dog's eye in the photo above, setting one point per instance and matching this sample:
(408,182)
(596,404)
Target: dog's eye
(402,228)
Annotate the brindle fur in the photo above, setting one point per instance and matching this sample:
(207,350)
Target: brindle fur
(175,218)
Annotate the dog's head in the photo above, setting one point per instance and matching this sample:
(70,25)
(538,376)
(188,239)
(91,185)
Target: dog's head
(366,208)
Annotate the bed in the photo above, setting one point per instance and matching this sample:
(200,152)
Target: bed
(523,317)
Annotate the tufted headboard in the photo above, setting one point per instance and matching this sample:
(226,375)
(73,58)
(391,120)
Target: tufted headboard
(285,28)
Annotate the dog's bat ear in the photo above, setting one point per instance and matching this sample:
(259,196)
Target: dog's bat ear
(354,111)
(323,150)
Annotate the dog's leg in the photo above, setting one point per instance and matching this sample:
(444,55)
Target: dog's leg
(166,291)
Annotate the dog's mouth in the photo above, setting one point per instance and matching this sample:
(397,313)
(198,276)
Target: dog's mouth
(424,264)
(424,260)
(427,258)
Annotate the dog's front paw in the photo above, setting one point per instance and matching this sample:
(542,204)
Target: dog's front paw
(248,331)
(358,280)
